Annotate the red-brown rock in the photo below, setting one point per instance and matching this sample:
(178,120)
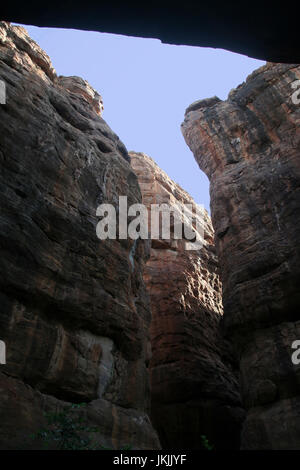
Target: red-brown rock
(193,384)
(74,310)
(249,147)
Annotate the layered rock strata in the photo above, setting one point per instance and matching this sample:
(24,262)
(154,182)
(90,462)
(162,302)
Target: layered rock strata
(74,310)
(193,384)
(249,147)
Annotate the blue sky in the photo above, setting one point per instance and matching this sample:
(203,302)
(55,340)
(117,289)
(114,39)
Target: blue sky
(146,87)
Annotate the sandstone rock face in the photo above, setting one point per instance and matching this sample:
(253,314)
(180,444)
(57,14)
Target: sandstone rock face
(74,311)
(249,147)
(81,87)
(193,384)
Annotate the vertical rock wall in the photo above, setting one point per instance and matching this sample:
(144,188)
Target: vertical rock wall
(249,147)
(74,310)
(193,383)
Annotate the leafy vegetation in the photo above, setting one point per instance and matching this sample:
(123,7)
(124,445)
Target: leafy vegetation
(67,430)
(205,443)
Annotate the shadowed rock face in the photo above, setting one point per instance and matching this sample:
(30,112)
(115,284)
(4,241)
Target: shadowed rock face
(249,147)
(75,313)
(267,30)
(74,310)
(193,383)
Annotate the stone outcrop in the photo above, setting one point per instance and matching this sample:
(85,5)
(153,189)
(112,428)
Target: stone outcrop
(249,147)
(74,310)
(193,384)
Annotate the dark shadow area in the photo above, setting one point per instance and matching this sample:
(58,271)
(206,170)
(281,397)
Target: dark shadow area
(261,30)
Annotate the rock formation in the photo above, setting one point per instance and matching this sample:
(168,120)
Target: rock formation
(193,384)
(74,311)
(249,147)
(266,31)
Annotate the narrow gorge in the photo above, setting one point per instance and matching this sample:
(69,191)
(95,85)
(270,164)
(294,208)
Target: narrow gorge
(162,344)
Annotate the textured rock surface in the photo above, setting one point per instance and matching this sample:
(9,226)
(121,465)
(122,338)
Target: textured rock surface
(249,147)
(22,411)
(74,312)
(194,388)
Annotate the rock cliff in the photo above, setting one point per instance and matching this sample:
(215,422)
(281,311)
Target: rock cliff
(249,147)
(74,310)
(193,384)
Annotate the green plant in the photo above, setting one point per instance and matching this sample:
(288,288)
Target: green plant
(67,430)
(205,443)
